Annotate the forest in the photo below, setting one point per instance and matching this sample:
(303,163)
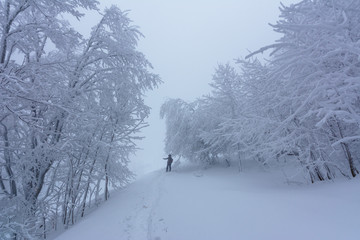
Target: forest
(72,107)
(299,109)
(70,111)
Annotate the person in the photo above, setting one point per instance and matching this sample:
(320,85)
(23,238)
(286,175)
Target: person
(169,162)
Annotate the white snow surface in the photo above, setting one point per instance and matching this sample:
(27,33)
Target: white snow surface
(221,203)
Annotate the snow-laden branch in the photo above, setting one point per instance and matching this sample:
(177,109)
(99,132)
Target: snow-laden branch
(263,49)
(346,140)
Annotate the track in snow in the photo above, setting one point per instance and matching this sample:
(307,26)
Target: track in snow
(220,203)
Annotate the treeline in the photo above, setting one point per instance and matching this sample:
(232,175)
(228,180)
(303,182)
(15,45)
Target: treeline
(70,110)
(300,109)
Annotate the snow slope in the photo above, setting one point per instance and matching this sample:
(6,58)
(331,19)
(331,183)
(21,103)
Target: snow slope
(220,203)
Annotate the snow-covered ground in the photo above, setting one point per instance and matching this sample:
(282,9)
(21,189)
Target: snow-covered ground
(221,203)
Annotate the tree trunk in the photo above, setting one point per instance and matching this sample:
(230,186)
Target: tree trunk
(350,159)
(88,186)
(107,195)
(239,158)
(316,170)
(89,178)
(347,152)
(8,164)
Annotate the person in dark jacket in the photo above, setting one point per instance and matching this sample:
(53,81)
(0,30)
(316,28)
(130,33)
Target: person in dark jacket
(169,162)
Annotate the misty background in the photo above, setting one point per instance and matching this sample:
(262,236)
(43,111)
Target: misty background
(185,41)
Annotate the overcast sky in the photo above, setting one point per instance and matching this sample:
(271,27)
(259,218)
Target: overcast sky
(185,40)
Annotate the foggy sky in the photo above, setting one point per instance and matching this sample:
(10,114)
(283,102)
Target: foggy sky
(185,40)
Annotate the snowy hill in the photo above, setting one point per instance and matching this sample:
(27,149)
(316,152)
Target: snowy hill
(221,203)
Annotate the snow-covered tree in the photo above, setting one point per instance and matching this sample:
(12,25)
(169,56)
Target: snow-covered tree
(220,106)
(316,67)
(110,78)
(69,115)
(242,125)
(194,129)
(302,107)
(181,139)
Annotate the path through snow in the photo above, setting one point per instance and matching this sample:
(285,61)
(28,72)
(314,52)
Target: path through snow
(219,204)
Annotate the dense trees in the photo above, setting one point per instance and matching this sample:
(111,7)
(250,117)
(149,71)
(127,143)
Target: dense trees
(70,109)
(302,108)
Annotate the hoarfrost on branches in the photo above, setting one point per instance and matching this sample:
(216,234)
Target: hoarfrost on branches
(69,117)
(300,109)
